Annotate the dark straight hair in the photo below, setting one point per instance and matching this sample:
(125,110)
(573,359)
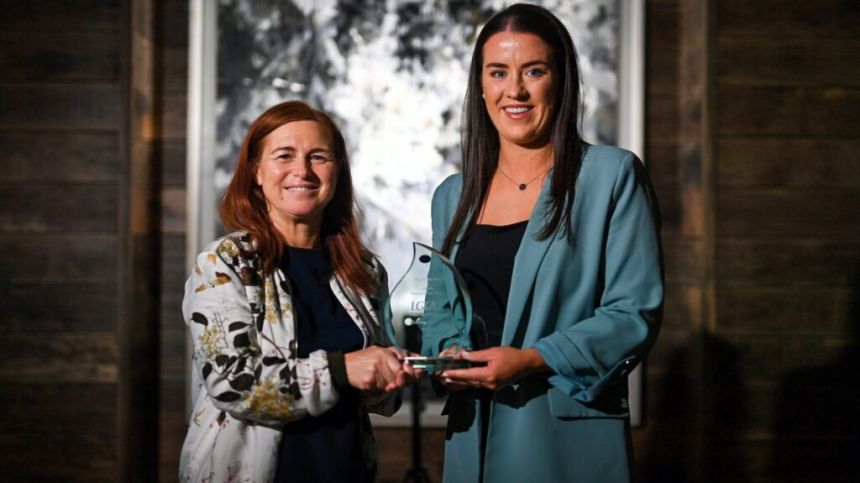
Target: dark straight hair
(480,139)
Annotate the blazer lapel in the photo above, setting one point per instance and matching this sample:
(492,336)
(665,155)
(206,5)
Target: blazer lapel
(526,264)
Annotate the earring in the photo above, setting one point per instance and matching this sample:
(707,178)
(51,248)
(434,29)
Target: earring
(483,97)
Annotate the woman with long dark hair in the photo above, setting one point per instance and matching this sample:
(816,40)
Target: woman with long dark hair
(558,242)
(283,317)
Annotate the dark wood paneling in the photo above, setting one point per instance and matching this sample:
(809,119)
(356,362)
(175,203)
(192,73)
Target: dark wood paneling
(789,18)
(65,107)
(68,306)
(59,258)
(788,111)
(57,432)
(751,213)
(788,61)
(59,56)
(395,453)
(662,119)
(173,211)
(788,162)
(59,357)
(787,263)
(53,207)
(768,358)
(58,156)
(60,15)
(785,310)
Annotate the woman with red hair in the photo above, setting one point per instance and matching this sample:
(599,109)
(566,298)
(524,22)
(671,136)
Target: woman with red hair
(284,317)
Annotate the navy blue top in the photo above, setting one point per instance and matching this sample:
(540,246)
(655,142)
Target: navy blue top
(327,447)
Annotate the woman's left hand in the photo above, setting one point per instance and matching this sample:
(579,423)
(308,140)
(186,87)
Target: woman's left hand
(503,366)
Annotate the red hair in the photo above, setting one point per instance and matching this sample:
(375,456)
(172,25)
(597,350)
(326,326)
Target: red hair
(244,207)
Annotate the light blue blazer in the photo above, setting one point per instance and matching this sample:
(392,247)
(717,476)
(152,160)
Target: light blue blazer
(591,308)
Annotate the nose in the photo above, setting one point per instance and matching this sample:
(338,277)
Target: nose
(302,167)
(516,88)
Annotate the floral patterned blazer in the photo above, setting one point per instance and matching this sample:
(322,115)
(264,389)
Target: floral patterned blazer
(248,380)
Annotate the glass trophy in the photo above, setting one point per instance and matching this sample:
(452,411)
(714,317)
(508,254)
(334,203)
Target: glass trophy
(405,308)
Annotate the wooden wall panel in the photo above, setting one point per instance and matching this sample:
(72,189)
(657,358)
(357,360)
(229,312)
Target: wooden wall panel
(788,61)
(61,15)
(788,243)
(58,156)
(777,19)
(63,55)
(789,111)
(784,162)
(62,131)
(69,357)
(58,258)
(66,306)
(817,214)
(59,207)
(67,107)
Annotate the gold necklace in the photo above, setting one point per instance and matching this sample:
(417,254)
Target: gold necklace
(522,186)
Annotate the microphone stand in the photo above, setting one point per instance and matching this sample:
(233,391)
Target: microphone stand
(416,474)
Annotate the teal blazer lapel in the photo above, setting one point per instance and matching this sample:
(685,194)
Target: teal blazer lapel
(526,264)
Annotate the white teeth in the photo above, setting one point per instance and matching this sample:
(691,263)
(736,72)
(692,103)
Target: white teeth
(300,188)
(516,110)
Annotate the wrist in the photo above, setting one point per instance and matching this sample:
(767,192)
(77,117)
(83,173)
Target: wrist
(534,361)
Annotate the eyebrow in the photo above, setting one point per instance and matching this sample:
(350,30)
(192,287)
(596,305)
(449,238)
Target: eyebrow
(527,64)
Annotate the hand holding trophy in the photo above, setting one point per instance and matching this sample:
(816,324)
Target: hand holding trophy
(406,306)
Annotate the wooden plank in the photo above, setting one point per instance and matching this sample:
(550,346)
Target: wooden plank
(172,360)
(59,15)
(789,18)
(788,162)
(171,70)
(61,307)
(661,119)
(787,111)
(50,357)
(62,107)
(58,258)
(61,55)
(662,73)
(59,156)
(766,358)
(683,260)
(52,207)
(172,159)
(791,61)
(819,214)
(682,305)
(782,310)
(171,24)
(783,263)
(173,116)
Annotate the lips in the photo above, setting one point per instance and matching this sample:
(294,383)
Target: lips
(517,109)
(301,189)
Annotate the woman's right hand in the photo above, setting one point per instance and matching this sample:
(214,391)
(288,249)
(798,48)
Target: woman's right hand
(375,369)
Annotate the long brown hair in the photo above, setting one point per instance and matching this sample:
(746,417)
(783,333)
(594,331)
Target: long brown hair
(244,206)
(480,139)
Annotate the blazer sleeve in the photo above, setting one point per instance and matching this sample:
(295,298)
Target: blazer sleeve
(269,388)
(597,353)
(383,403)
(441,326)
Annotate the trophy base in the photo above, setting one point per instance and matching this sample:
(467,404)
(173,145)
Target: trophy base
(436,364)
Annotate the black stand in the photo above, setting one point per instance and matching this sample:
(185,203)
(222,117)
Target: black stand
(416,474)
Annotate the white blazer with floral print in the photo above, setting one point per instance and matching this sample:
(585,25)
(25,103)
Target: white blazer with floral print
(248,380)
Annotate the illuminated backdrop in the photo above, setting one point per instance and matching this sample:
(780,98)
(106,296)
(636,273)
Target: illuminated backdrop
(393,74)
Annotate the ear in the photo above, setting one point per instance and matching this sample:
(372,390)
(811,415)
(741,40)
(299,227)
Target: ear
(257,177)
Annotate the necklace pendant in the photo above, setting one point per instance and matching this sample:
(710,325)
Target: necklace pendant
(522,186)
